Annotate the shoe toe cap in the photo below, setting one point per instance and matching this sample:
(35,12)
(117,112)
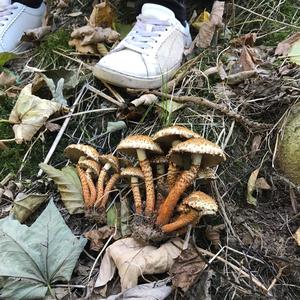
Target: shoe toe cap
(125,62)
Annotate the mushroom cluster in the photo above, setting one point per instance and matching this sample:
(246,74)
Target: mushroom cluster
(161,180)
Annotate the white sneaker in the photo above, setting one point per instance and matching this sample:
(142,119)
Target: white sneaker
(15,19)
(150,54)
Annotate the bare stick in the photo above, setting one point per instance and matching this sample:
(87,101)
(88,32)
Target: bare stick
(62,130)
(245,122)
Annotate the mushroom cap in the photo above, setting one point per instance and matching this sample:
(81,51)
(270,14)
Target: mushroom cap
(131,143)
(75,151)
(93,166)
(165,137)
(211,152)
(202,202)
(132,172)
(160,159)
(112,160)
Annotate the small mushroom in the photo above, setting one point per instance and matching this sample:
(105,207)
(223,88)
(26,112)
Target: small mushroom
(194,206)
(92,169)
(168,138)
(140,145)
(74,152)
(201,152)
(110,162)
(135,174)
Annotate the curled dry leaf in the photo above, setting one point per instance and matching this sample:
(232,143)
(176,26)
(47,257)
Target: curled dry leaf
(207,30)
(133,259)
(7,79)
(102,15)
(30,113)
(187,269)
(25,205)
(69,186)
(262,184)
(247,61)
(251,187)
(100,35)
(147,99)
(33,258)
(34,35)
(247,39)
(81,32)
(89,49)
(98,236)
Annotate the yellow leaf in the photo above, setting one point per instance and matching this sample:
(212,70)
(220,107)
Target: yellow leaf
(203,17)
(251,187)
(102,15)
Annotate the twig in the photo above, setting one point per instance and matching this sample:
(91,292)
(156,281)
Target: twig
(106,97)
(245,122)
(234,267)
(266,18)
(8,140)
(62,130)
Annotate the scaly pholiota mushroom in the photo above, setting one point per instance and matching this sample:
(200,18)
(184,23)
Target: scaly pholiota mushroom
(134,174)
(74,152)
(140,145)
(110,162)
(92,170)
(194,206)
(202,152)
(168,138)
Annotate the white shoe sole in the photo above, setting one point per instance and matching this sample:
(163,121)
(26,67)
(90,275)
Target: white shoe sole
(127,81)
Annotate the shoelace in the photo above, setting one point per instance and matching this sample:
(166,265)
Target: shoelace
(146,32)
(6,11)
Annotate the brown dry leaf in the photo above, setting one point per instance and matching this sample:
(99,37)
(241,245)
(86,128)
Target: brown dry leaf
(284,46)
(133,259)
(247,60)
(97,237)
(25,205)
(52,127)
(255,145)
(34,35)
(102,15)
(69,186)
(262,184)
(297,236)
(187,269)
(102,49)
(30,113)
(89,49)
(7,79)
(81,32)
(3,146)
(207,30)
(100,35)
(240,77)
(247,39)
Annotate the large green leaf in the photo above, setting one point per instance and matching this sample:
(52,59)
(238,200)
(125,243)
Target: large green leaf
(33,258)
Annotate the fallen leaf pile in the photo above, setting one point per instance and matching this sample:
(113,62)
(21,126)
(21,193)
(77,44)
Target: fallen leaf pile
(91,38)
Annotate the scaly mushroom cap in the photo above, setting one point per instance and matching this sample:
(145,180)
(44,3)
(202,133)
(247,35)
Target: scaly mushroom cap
(201,202)
(132,172)
(75,151)
(165,137)
(109,158)
(130,144)
(211,153)
(93,166)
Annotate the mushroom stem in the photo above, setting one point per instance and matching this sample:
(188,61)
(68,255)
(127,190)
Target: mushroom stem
(100,183)
(183,182)
(136,195)
(84,185)
(173,172)
(110,184)
(92,188)
(147,171)
(160,186)
(183,220)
